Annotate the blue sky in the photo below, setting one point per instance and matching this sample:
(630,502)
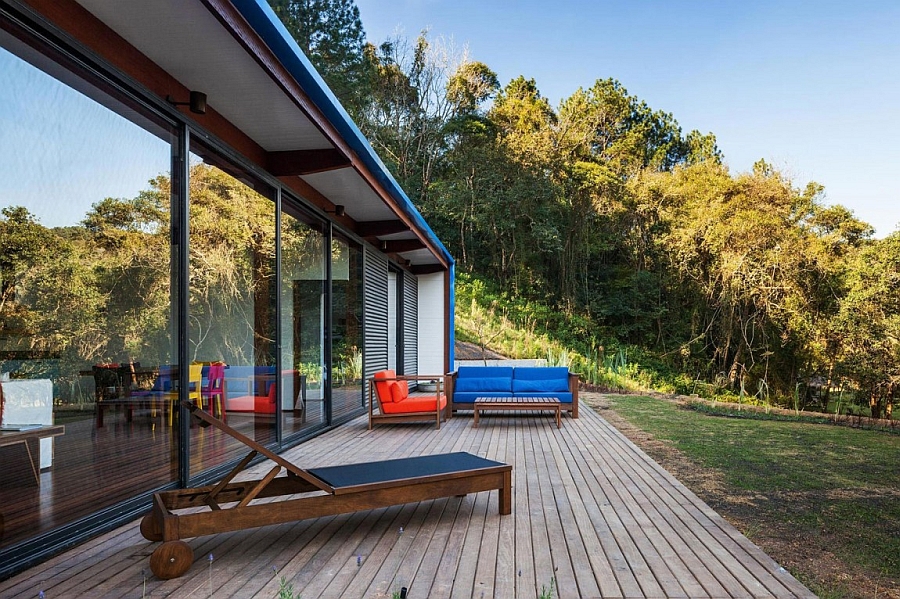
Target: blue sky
(812,87)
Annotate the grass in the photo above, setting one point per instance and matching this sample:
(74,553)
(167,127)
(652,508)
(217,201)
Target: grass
(732,410)
(800,490)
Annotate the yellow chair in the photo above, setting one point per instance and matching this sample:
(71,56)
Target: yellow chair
(195,382)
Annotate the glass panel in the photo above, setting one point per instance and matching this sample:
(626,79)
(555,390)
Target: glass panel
(346,349)
(231,316)
(302,322)
(86,321)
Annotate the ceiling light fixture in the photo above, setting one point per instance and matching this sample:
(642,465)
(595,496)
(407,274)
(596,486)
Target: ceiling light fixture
(196,103)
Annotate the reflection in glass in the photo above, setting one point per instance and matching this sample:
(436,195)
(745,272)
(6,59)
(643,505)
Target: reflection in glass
(303,323)
(346,349)
(231,314)
(86,321)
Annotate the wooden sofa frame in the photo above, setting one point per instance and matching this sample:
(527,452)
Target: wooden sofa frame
(572,408)
(327,491)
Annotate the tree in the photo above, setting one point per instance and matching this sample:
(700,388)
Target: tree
(419,92)
(331,35)
(614,128)
(25,246)
(472,84)
(23,243)
(868,324)
(748,281)
(701,148)
(232,267)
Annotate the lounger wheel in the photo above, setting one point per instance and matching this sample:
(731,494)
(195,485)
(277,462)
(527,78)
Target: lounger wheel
(171,559)
(150,528)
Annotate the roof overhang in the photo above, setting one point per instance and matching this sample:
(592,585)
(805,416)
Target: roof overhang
(256,78)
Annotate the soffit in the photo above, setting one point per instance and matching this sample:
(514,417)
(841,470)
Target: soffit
(186,40)
(189,43)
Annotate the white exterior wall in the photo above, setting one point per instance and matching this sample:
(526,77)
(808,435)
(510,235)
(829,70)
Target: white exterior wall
(431,324)
(392,321)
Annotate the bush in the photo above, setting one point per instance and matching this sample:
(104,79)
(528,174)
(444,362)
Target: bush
(523,329)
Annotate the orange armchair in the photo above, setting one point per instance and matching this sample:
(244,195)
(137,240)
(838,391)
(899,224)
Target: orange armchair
(395,404)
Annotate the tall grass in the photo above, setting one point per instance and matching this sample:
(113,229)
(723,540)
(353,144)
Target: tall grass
(523,331)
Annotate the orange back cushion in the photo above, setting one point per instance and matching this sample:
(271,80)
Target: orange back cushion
(383,387)
(399,390)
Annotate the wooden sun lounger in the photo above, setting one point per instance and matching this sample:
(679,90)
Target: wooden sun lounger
(328,491)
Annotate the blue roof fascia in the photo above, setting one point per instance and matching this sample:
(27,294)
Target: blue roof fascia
(269,27)
(452,312)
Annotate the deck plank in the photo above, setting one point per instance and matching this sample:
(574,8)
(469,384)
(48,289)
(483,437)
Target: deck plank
(613,447)
(464,583)
(591,512)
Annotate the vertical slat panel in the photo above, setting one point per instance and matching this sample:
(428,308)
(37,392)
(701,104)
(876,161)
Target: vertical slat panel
(410,324)
(375,313)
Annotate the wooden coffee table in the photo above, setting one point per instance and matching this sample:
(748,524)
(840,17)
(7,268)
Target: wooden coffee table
(518,403)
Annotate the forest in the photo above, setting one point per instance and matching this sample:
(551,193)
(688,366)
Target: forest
(598,222)
(604,210)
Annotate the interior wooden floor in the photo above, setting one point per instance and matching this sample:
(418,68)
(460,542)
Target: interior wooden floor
(98,467)
(592,515)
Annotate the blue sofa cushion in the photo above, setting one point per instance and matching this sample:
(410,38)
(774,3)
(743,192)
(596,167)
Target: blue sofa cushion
(484,372)
(521,386)
(541,373)
(493,383)
(246,380)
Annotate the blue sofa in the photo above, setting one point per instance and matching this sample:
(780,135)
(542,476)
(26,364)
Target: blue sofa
(469,382)
(252,389)
(243,384)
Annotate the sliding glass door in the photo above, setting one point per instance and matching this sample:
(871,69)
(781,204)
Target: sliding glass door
(303,314)
(86,311)
(346,337)
(231,310)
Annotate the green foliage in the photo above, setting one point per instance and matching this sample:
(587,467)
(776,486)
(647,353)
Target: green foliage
(531,330)
(614,234)
(471,85)
(100,292)
(547,591)
(349,366)
(331,35)
(732,410)
(867,324)
(285,589)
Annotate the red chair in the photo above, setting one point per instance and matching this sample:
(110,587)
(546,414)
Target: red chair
(395,404)
(213,392)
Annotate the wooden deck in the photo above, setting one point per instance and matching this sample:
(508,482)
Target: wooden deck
(592,514)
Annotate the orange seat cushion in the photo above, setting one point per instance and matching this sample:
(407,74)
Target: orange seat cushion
(418,403)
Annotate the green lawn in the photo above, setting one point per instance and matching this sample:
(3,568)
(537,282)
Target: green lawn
(831,488)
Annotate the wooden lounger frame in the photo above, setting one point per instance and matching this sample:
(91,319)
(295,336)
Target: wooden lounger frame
(231,508)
